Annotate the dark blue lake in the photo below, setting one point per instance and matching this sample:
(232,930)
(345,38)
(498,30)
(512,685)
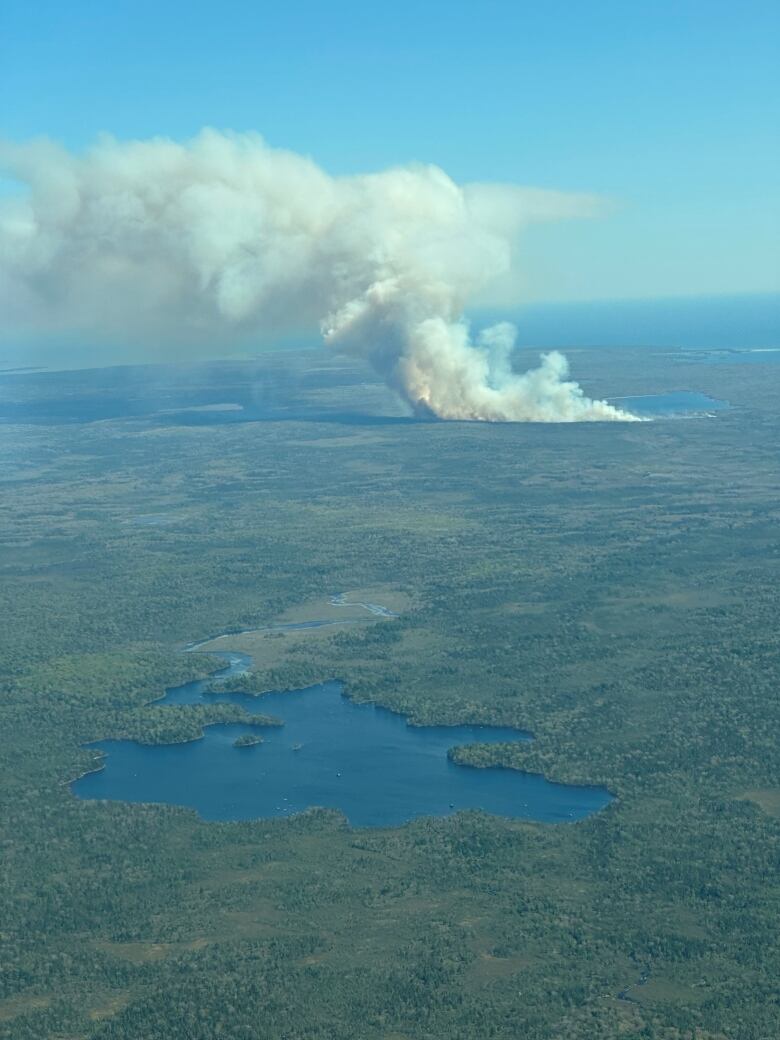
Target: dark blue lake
(365,761)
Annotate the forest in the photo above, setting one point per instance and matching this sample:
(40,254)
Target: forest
(613,589)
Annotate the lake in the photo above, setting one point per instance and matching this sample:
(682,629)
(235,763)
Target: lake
(364,761)
(675,404)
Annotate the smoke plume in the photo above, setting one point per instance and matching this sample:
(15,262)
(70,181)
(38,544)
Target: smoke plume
(224,238)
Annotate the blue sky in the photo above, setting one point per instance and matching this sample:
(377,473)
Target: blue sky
(667,108)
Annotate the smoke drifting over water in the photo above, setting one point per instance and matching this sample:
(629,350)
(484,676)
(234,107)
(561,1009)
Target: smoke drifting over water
(223,237)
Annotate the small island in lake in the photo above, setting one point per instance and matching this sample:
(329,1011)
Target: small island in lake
(247,740)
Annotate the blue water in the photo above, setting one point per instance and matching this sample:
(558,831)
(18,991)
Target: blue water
(729,323)
(750,356)
(675,403)
(365,761)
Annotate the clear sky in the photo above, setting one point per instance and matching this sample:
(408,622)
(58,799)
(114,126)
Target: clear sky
(669,108)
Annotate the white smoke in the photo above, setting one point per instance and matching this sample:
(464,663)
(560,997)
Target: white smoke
(224,237)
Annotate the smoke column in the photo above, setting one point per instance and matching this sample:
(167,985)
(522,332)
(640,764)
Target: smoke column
(223,237)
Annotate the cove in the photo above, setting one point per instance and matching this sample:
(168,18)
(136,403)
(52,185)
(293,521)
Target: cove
(362,760)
